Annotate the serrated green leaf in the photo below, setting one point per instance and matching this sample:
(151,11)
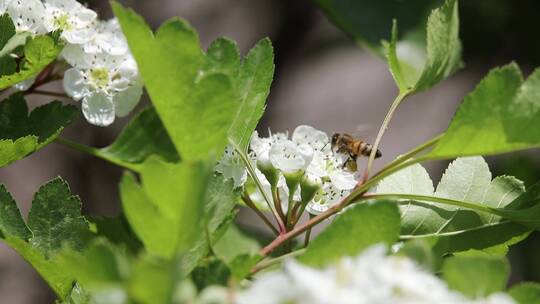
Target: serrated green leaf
(425,54)
(476,275)
(525,209)
(526,293)
(355,229)
(166,211)
(55,219)
(443,48)
(170,63)
(417,69)
(223,57)
(55,225)
(39,51)
(254,80)
(11,221)
(457,229)
(22,133)
(499,116)
(145,135)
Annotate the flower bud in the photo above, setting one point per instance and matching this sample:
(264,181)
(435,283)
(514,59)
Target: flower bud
(309,186)
(267,169)
(293,180)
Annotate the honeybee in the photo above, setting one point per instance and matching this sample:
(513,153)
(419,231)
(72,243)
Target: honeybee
(353,147)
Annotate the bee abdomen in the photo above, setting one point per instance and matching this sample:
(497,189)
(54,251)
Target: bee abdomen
(365,150)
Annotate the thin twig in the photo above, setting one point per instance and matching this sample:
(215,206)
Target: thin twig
(383,128)
(267,263)
(253,207)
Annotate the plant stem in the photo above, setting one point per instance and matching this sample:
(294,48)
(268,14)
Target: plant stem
(403,158)
(251,205)
(383,128)
(259,185)
(299,229)
(410,237)
(441,200)
(265,264)
(96,153)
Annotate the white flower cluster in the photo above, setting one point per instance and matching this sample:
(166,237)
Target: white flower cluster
(103,73)
(371,278)
(306,156)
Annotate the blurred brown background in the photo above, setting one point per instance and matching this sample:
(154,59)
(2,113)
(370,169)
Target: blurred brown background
(322,79)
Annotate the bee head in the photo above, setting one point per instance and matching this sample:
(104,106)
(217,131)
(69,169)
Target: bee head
(335,139)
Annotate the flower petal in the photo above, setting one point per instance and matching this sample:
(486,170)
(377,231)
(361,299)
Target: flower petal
(98,109)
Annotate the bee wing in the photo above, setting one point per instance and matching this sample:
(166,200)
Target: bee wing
(361,129)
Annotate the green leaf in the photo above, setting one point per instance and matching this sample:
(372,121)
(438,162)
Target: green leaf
(145,135)
(415,69)
(160,273)
(254,80)
(55,219)
(166,211)
(39,51)
(116,230)
(476,275)
(424,55)
(223,57)
(50,269)
(366,223)
(55,225)
(499,116)
(8,29)
(525,209)
(457,229)
(369,22)
(11,221)
(221,198)
(170,63)
(100,268)
(22,134)
(526,293)
(234,243)
(211,271)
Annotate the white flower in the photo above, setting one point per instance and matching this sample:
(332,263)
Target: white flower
(289,157)
(72,18)
(27,15)
(317,139)
(108,38)
(4,5)
(231,166)
(337,182)
(108,86)
(372,278)
(260,146)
